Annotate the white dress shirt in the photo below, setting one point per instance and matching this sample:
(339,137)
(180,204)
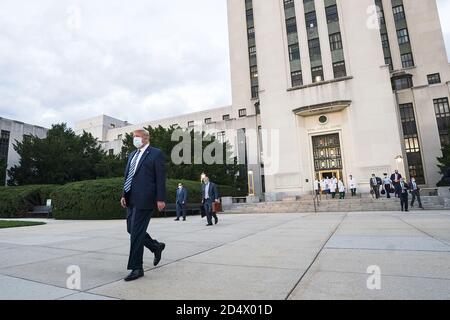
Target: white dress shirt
(141,152)
(207,191)
(352,183)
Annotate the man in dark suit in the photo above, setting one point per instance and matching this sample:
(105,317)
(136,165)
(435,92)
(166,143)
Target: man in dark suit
(210,195)
(144,189)
(375,183)
(403,192)
(181,201)
(396,177)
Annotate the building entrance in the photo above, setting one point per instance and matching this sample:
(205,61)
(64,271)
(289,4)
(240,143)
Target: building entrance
(327,156)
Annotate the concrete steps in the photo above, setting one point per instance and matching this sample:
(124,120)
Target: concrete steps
(333,205)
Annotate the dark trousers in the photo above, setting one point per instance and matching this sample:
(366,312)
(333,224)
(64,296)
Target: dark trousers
(416,194)
(137,224)
(397,189)
(376,191)
(353,192)
(341,195)
(333,195)
(387,188)
(404,201)
(181,209)
(208,210)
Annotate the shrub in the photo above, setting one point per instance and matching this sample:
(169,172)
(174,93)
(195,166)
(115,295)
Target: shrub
(16,202)
(99,199)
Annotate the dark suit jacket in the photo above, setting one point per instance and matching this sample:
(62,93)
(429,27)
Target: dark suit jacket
(213,192)
(379,182)
(182,195)
(393,178)
(149,181)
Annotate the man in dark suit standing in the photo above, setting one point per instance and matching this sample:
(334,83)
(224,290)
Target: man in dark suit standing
(210,195)
(403,192)
(181,201)
(396,177)
(144,189)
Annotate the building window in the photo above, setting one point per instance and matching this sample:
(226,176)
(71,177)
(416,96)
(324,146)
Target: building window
(254,72)
(208,120)
(335,41)
(226,117)
(332,14)
(317,74)
(388,61)
(402,36)
(255,91)
(111,152)
(297,78)
(399,13)
(288,4)
(221,136)
(242,113)
(339,69)
(314,49)
(402,82)
(434,78)
(412,144)
(291,25)
(407,60)
(251,33)
(442,110)
(311,20)
(4,144)
(191,124)
(385,40)
(294,52)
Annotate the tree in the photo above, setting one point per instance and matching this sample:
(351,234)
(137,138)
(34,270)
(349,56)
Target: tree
(444,165)
(60,158)
(3,165)
(229,173)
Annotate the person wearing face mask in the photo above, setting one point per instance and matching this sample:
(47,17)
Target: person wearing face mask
(375,183)
(403,190)
(181,201)
(210,195)
(415,192)
(144,189)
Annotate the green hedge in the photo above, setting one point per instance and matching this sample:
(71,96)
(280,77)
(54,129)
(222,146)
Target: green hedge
(16,202)
(99,199)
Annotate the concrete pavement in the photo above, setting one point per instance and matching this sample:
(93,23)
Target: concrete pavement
(248,256)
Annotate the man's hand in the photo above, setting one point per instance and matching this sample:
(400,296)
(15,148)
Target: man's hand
(217,200)
(123,203)
(161,205)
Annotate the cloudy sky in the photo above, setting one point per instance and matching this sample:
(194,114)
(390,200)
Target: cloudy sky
(137,60)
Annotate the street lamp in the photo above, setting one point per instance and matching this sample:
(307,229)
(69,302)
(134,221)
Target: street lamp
(399,160)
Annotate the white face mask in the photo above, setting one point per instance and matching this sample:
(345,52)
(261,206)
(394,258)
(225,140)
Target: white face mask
(179,187)
(137,142)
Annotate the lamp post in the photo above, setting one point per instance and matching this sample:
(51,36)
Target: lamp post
(399,160)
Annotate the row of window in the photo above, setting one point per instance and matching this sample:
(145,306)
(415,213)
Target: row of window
(406,81)
(315,53)
(242,113)
(252,49)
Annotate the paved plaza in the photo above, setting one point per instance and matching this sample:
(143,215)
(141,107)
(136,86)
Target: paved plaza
(251,256)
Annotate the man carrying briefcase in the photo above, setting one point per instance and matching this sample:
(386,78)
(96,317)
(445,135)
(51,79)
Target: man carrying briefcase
(210,197)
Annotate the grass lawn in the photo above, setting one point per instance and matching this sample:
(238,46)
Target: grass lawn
(14,224)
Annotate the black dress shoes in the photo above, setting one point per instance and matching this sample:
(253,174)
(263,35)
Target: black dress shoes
(177,219)
(158,254)
(209,224)
(184,219)
(135,274)
(216,220)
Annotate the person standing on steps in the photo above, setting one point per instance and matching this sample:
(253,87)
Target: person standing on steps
(352,185)
(210,194)
(333,186)
(181,199)
(341,188)
(387,182)
(415,192)
(375,184)
(144,189)
(396,177)
(403,191)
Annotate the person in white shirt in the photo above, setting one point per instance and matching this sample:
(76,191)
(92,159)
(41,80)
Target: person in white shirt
(341,188)
(316,187)
(387,182)
(415,192)
(333,186)
(323,186)
(352,185)
(327,185)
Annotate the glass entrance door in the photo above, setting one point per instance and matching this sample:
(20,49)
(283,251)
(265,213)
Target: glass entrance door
(327,156)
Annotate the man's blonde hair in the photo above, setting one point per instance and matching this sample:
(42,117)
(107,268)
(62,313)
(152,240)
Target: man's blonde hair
(144,131)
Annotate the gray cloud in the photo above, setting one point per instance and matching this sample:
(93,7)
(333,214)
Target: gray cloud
(136,60)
